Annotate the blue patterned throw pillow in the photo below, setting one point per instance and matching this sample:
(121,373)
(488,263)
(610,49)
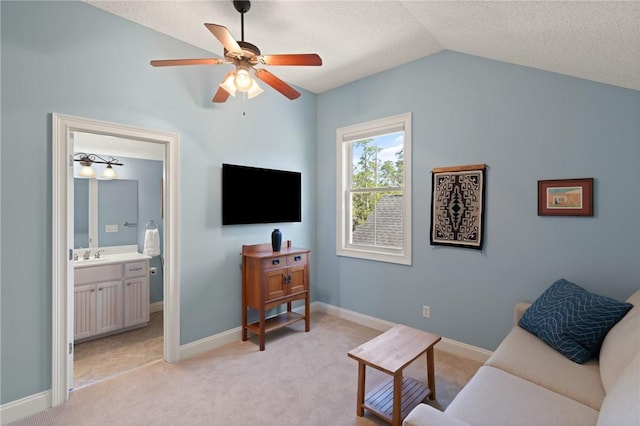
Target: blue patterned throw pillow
(573,320)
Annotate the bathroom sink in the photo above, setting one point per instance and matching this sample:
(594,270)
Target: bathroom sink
(91,261)
(110,258)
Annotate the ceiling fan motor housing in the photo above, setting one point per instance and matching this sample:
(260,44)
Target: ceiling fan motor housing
(242,6)
(250,52)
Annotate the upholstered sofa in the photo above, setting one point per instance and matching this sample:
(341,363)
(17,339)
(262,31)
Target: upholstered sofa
(527,382)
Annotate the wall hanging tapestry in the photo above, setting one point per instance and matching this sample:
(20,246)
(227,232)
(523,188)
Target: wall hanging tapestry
(457,204)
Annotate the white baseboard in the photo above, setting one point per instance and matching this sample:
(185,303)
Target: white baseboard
(358,318)
(25,407)
(464,350)
(217,340)
(446,345)
(156,307)
(208,343)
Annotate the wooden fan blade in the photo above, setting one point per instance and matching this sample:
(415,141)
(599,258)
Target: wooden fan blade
(220,96)
(295,59)
(277,84)
(172,62)
(224,36)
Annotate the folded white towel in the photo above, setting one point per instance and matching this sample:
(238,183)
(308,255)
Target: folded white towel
(151,242)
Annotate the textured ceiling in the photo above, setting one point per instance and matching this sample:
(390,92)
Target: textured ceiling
(597,41)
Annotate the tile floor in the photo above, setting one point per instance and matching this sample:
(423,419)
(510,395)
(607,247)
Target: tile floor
(99,359)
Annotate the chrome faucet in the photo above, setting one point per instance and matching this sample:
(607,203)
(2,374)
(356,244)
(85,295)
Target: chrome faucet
(97,254)
(86,254)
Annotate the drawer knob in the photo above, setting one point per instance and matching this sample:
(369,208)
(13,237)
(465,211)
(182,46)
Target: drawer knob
(297,258)
(275,262)
(135,269)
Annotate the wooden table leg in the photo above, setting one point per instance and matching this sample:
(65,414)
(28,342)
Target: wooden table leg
(261,329)
(431,375)
(397,399)
(244,323)
(361,380)
(307,313)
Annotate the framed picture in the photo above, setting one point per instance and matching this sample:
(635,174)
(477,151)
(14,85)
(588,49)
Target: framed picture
(565,197)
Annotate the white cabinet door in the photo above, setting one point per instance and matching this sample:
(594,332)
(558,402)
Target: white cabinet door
(84,309)
(109,306)
(136,301)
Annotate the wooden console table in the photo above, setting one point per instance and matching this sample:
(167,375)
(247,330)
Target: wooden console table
(391,352)
(270,279)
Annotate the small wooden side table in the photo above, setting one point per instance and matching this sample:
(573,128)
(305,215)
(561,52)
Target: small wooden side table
(391,352)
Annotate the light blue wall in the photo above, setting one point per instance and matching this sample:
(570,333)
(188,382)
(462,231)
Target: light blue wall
(72,58)
(117,205)
(526,125)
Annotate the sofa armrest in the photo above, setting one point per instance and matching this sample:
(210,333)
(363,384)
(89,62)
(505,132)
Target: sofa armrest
(424,415)
(518,311)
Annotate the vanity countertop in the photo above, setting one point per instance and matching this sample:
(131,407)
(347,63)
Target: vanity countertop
(108,259)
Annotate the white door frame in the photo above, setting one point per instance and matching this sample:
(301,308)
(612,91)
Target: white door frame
(63,127)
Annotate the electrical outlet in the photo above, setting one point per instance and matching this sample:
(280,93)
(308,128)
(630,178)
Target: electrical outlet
(426,311)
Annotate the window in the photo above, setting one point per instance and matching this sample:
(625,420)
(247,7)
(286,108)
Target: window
(374,190)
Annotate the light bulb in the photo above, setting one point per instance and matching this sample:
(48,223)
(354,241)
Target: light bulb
(109,173)
(254,90)
(227,84)
(243,80)
(87,171)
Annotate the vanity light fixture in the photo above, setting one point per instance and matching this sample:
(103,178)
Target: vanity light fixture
(87,160)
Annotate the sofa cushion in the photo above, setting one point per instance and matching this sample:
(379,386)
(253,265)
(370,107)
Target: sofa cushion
(424,415)
(621,406)
(621,344)
(495,397)
(573,320)
(523,354)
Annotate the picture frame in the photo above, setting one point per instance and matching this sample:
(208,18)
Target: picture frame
(565,197)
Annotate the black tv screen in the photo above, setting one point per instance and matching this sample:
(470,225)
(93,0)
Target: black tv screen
(256,195)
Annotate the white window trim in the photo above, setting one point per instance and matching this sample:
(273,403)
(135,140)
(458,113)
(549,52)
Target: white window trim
(344,135)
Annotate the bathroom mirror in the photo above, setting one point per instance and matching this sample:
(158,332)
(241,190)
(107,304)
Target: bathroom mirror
(105,213)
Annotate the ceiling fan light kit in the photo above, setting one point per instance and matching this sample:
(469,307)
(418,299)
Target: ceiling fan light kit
(245,56)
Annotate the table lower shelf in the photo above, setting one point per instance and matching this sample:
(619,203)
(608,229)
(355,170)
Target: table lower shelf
(380,400)
(282,320)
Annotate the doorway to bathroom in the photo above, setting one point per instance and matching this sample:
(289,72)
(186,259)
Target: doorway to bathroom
(118,213)
(65,130)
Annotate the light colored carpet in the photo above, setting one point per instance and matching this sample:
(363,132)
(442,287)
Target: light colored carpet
(300,379)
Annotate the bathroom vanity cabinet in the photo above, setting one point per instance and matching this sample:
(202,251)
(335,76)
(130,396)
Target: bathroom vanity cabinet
(110,298)
(271,279)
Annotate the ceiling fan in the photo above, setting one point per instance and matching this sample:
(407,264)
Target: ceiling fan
(245,56)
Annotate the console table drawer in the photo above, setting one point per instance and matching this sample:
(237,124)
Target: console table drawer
(297,259)
(274,262)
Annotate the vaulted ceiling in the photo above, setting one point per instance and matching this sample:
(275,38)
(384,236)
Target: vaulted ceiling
(594,40)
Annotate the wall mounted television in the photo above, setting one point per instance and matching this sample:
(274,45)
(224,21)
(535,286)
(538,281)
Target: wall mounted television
(257,195)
